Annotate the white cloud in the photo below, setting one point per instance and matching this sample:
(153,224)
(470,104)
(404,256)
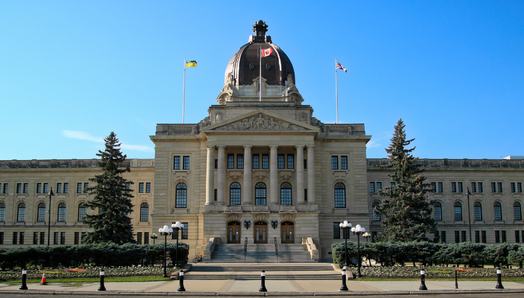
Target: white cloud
(82,135)
(373,144)
(137,148)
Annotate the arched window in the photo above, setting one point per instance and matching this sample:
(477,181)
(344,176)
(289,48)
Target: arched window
(81,211)
(181,195)
(340,195)
(235,194)
(285,194)
(61,212)
(144,212)
(477,210)
(20,216)
(437,211)
(457,209)
(260,194)
(2,212)
(40,216)
(374,216)
(497,211)
(517,211)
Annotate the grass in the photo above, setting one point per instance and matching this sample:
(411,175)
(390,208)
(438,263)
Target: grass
(95,279)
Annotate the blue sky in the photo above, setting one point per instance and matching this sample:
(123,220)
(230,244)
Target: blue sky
(73,71)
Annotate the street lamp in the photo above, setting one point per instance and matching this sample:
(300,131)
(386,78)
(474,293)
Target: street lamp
(469,214)
(50,194)
(358,230)
(164,232)
(177,226)
(345,228)
(154,237)
(366,235)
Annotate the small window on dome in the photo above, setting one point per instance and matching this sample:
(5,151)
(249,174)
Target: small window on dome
(268,66)
(251,66)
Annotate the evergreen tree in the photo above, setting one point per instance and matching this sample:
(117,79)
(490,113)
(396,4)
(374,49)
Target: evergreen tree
(111,198)
(406,211)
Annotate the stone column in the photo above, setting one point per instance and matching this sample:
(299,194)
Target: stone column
(311,174)
(221,179)
(273,175)
(210,175)
(246,194)
(300,175)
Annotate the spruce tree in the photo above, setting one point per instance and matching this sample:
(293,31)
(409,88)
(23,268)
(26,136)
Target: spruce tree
(406,211)
(112,198)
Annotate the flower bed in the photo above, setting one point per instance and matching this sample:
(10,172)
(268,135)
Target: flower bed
(435,272)
(83,272)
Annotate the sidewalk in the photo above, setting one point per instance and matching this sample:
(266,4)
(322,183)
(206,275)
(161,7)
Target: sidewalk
(274,287)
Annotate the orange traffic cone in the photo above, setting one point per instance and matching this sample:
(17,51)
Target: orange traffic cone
(43,282)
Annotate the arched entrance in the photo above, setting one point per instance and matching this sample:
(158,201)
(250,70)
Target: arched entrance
(287,230)
(260,232)
(233,232)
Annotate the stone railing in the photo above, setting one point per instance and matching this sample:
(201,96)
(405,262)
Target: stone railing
(311,247)
(70,163)
(206,256)
(177,129)
(375,163)
(345,129)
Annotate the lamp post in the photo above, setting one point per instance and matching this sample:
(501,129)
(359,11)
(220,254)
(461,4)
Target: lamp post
(469,215)
(154,237)
(358,230)
(366,235)
(345,228)
(164,232)
(50,194)
(177,226)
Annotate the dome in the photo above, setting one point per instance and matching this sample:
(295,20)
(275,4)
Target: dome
(244,66)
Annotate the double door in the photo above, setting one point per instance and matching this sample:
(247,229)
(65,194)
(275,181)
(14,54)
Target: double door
(260,232)
(233,232)
(287,230)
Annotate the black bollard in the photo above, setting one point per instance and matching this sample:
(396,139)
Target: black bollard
(344,287)
(499,279)
(263,281)
(24,280)
(181,283)
(422,280)
(102,287)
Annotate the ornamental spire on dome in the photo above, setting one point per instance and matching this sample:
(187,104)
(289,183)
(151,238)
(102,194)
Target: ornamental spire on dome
(260,29)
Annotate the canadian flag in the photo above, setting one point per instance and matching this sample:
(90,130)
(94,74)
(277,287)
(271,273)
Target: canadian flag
(267,52)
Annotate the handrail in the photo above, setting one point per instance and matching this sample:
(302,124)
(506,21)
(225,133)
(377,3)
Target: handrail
(245,250)
(276,247)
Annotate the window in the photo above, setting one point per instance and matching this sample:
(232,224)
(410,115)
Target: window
(344,162)
(39,188)
(55,237)
(460,187)
(2,212)
(372,187)
(181,196)
(146,237)
(480,187)
(281,161)
(79,188)
(26,187)
(477,210)
(457,236)
(516,186)
(185,231)
(433,186)
(379,186)
(285,194)
(22,236)
(176,163)
(66,187)
(496,187)
(477,236)
(260,193)
(457,209)
(141,187)
(517,211)
(235,194)
(499,186)
(15,237)
(340,195)
(519,186)
(497,236)
(256,161)
(240,161)
(437,211)
(40,215)
(512,186)
(440,187)
(42,237)
(230,161)
(6,187)
(265,161)
(35,238)
(290,161)
(144,212)
(473,187)
(46,188)
(148,187)
(81,212)
(336,230)
(21,212)
(19,188)
(62,237)
(517,236)
(334,162)
(484,237)
(139,237)
(493,187)
(497,211)
(1,237)
(504,239)
(453,186)
(463,236)
(77,238)
(61,212)
(86,186)
(186,163)
(59,188)
(374,216)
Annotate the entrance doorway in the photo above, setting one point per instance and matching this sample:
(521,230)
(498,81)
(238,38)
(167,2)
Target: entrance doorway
(260,232)
(287,232)
(233,232)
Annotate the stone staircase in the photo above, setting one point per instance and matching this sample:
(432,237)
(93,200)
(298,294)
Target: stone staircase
(260,253)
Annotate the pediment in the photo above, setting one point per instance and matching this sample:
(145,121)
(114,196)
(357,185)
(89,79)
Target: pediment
(263,121)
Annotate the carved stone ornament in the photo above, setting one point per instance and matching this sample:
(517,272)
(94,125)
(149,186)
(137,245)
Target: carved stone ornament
(261,123)
(261,217)
(232,217)
(288,217)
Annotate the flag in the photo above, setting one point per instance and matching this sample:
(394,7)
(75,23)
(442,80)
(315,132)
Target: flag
(191,63)
(339,66)
(267,52)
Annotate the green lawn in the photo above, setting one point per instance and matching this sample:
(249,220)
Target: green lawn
(95,279)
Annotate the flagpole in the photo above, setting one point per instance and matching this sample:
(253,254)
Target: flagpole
(260,73)
(336,86)
(184,90)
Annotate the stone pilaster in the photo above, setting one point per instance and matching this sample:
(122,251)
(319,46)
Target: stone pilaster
(246,194)
(300,175)
(221,179)
(311,174)
(210,175)
(273,175)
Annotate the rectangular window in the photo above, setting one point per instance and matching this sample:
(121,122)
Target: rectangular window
(463,236)
(86,186)
(230,161)
(493,187)
(477,237)
(139,237)
(22,237)
(334,162)
(148,187)
(77,237)
(42,237)
(336,230)
(443,236)
(6,187)
(372,187)
(19,188)
(46,187)
(186,163)
(79,188)
(265,161)
(499,186)
(55,238)
(512,186)
(256,161)
(1,237)
(185,231)
(460,187)
(473,187)
(59,188)
(15,237)
(484,237)
(35,238)
(290,161)
(480,187)
(39,188)
(517,236)
(240,161)
(281,161)
(379,186)
(176,163)
(344,162)
(0,187)
(128,187)
(62,237)
(440,187)
(146,237)
(433,187)
(26,187)
(519,186)
(457,236)
(504,239)
(141,187)
(453,186)
(66,187)
(497,236)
